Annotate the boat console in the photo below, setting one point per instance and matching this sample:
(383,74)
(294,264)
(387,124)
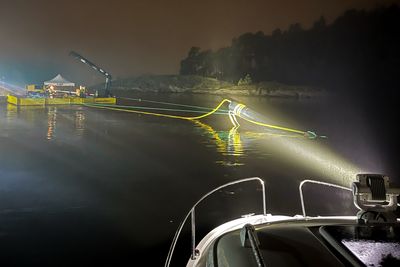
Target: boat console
(375,198)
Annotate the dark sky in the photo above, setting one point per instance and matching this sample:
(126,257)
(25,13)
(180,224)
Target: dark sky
(128,37)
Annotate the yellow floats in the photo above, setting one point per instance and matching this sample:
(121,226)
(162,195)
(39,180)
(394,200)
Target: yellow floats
(24,101)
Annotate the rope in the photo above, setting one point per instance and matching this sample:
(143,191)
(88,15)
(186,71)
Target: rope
(237,111)
(164,103)
(154,108)
(161,114)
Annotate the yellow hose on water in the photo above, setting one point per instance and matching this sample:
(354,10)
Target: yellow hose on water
(161,114)
(274,126)
(237,112)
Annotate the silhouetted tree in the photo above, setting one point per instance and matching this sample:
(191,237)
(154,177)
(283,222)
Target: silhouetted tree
(190,64)
(360,48)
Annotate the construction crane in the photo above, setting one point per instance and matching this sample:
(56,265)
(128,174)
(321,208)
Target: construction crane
(82,59)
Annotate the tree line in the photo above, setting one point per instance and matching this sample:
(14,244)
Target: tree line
(360,48)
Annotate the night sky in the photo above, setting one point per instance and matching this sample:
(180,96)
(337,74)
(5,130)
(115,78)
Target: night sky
(130,38)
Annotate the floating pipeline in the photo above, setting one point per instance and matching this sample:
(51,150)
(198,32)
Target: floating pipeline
(126,108)
(240,110)
(167,103)
(117,108)
(234,110)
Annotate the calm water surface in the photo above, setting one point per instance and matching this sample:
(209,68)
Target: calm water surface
(80,185)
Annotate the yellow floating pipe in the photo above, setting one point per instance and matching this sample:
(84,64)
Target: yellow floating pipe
(161,114)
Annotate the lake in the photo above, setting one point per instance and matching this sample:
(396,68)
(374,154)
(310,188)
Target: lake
(81,185)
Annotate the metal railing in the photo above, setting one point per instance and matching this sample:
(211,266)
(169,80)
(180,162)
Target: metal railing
(192,214)
(303,208)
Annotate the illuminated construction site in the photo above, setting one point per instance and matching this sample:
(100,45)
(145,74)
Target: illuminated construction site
(57,91)
(60,91)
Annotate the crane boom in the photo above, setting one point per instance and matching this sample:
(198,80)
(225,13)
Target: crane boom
(108,76)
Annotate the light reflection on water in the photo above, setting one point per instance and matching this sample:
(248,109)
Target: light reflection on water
(11,112)
(79,122)
(51,122)
(235,146)
(227,143)
(121,165)
(15,117)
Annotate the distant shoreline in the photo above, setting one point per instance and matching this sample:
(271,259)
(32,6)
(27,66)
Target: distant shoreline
(190,84)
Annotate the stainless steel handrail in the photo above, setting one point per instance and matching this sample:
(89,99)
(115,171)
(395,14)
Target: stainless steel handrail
(192,212)
(316,182)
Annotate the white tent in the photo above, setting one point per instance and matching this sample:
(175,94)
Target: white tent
(59,81)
